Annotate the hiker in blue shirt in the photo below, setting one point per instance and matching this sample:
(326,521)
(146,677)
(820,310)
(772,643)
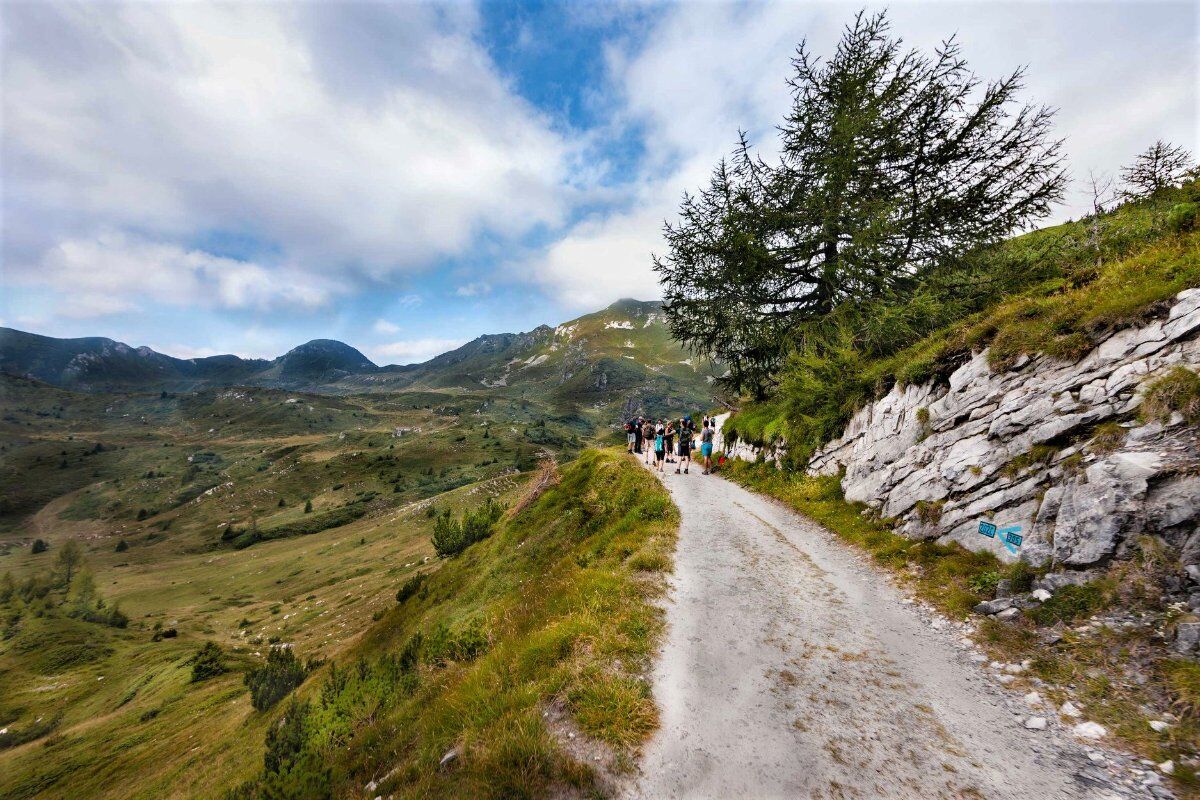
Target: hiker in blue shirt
(660,445)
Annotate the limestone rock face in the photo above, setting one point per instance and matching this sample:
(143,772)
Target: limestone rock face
(1016,449)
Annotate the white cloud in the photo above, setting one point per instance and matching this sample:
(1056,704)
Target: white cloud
(114,272)
(705,70)
(413,351)
(473,289)
(270,121)
(604,259)
(409,300)
(384,327)
(185,351)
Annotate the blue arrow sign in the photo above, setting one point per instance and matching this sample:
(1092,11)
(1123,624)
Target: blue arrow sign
(1009,536)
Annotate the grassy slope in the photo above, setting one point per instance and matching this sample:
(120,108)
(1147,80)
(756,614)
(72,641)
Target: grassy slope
(318,592)
(559,599)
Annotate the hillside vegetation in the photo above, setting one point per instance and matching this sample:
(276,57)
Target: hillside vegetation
(1057,291)
(476,683)
(215,528)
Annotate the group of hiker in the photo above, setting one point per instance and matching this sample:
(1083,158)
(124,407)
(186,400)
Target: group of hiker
(671,441)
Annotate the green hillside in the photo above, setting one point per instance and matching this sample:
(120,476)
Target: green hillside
(600,366)
(470,686)
(250,517)
(1057,290)
(618,360)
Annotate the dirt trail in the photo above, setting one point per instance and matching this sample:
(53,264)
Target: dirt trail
(792,669)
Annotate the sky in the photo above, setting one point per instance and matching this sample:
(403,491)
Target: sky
(243,177)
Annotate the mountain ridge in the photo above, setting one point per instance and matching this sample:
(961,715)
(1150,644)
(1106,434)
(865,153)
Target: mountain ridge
(625,345)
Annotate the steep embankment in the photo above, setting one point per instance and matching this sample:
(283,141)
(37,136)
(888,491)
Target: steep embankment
(1060,453)
(513,670)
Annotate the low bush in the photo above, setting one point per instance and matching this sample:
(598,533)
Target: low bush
(451,536)
(1178,390)
(1069,604)
(1183,217)
(466,643)
(410,587)
(208,662)
(281,673)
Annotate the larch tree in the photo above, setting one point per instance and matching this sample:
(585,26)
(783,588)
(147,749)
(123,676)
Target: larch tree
(891,162)
(1159,166)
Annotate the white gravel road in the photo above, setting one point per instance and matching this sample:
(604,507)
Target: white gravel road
(792,668)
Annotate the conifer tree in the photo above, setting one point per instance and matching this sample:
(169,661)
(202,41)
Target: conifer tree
(892,161)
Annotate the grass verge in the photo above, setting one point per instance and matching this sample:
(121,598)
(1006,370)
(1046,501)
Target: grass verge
(451,693)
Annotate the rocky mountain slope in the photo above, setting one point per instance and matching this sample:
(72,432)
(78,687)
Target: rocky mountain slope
(622,356)
(100,364)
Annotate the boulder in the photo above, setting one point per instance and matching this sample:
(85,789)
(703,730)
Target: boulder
(1053,581)
(1187,636)
(989,607)
(1097,508)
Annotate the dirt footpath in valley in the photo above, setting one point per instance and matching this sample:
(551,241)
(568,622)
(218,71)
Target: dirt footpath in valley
(793,669)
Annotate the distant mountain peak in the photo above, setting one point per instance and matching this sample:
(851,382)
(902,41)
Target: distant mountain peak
(323,359)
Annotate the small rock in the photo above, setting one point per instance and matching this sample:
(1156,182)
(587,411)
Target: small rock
(1041,595)
(1054,581)
(372,786)
(450,755)
(1096,757)
(989,607)
(1159,726)
(1007,680)
(1036,723)
(1008,614)
(1167,767)
(1090,730)
(1014,669)
(1187,636)
(1069,709)
(1052,635)
(1033,699)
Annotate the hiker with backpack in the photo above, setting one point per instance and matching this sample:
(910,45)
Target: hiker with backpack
(706,445)
(685,446)
(660,445)
(648,440)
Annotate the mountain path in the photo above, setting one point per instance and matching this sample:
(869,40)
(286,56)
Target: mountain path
(792,668)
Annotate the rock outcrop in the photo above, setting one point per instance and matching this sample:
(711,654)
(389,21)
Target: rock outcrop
(1021,452)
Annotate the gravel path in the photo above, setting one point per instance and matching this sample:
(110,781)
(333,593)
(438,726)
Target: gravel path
(793,669)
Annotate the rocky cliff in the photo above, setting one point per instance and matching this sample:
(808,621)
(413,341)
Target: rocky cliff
(1050,452)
